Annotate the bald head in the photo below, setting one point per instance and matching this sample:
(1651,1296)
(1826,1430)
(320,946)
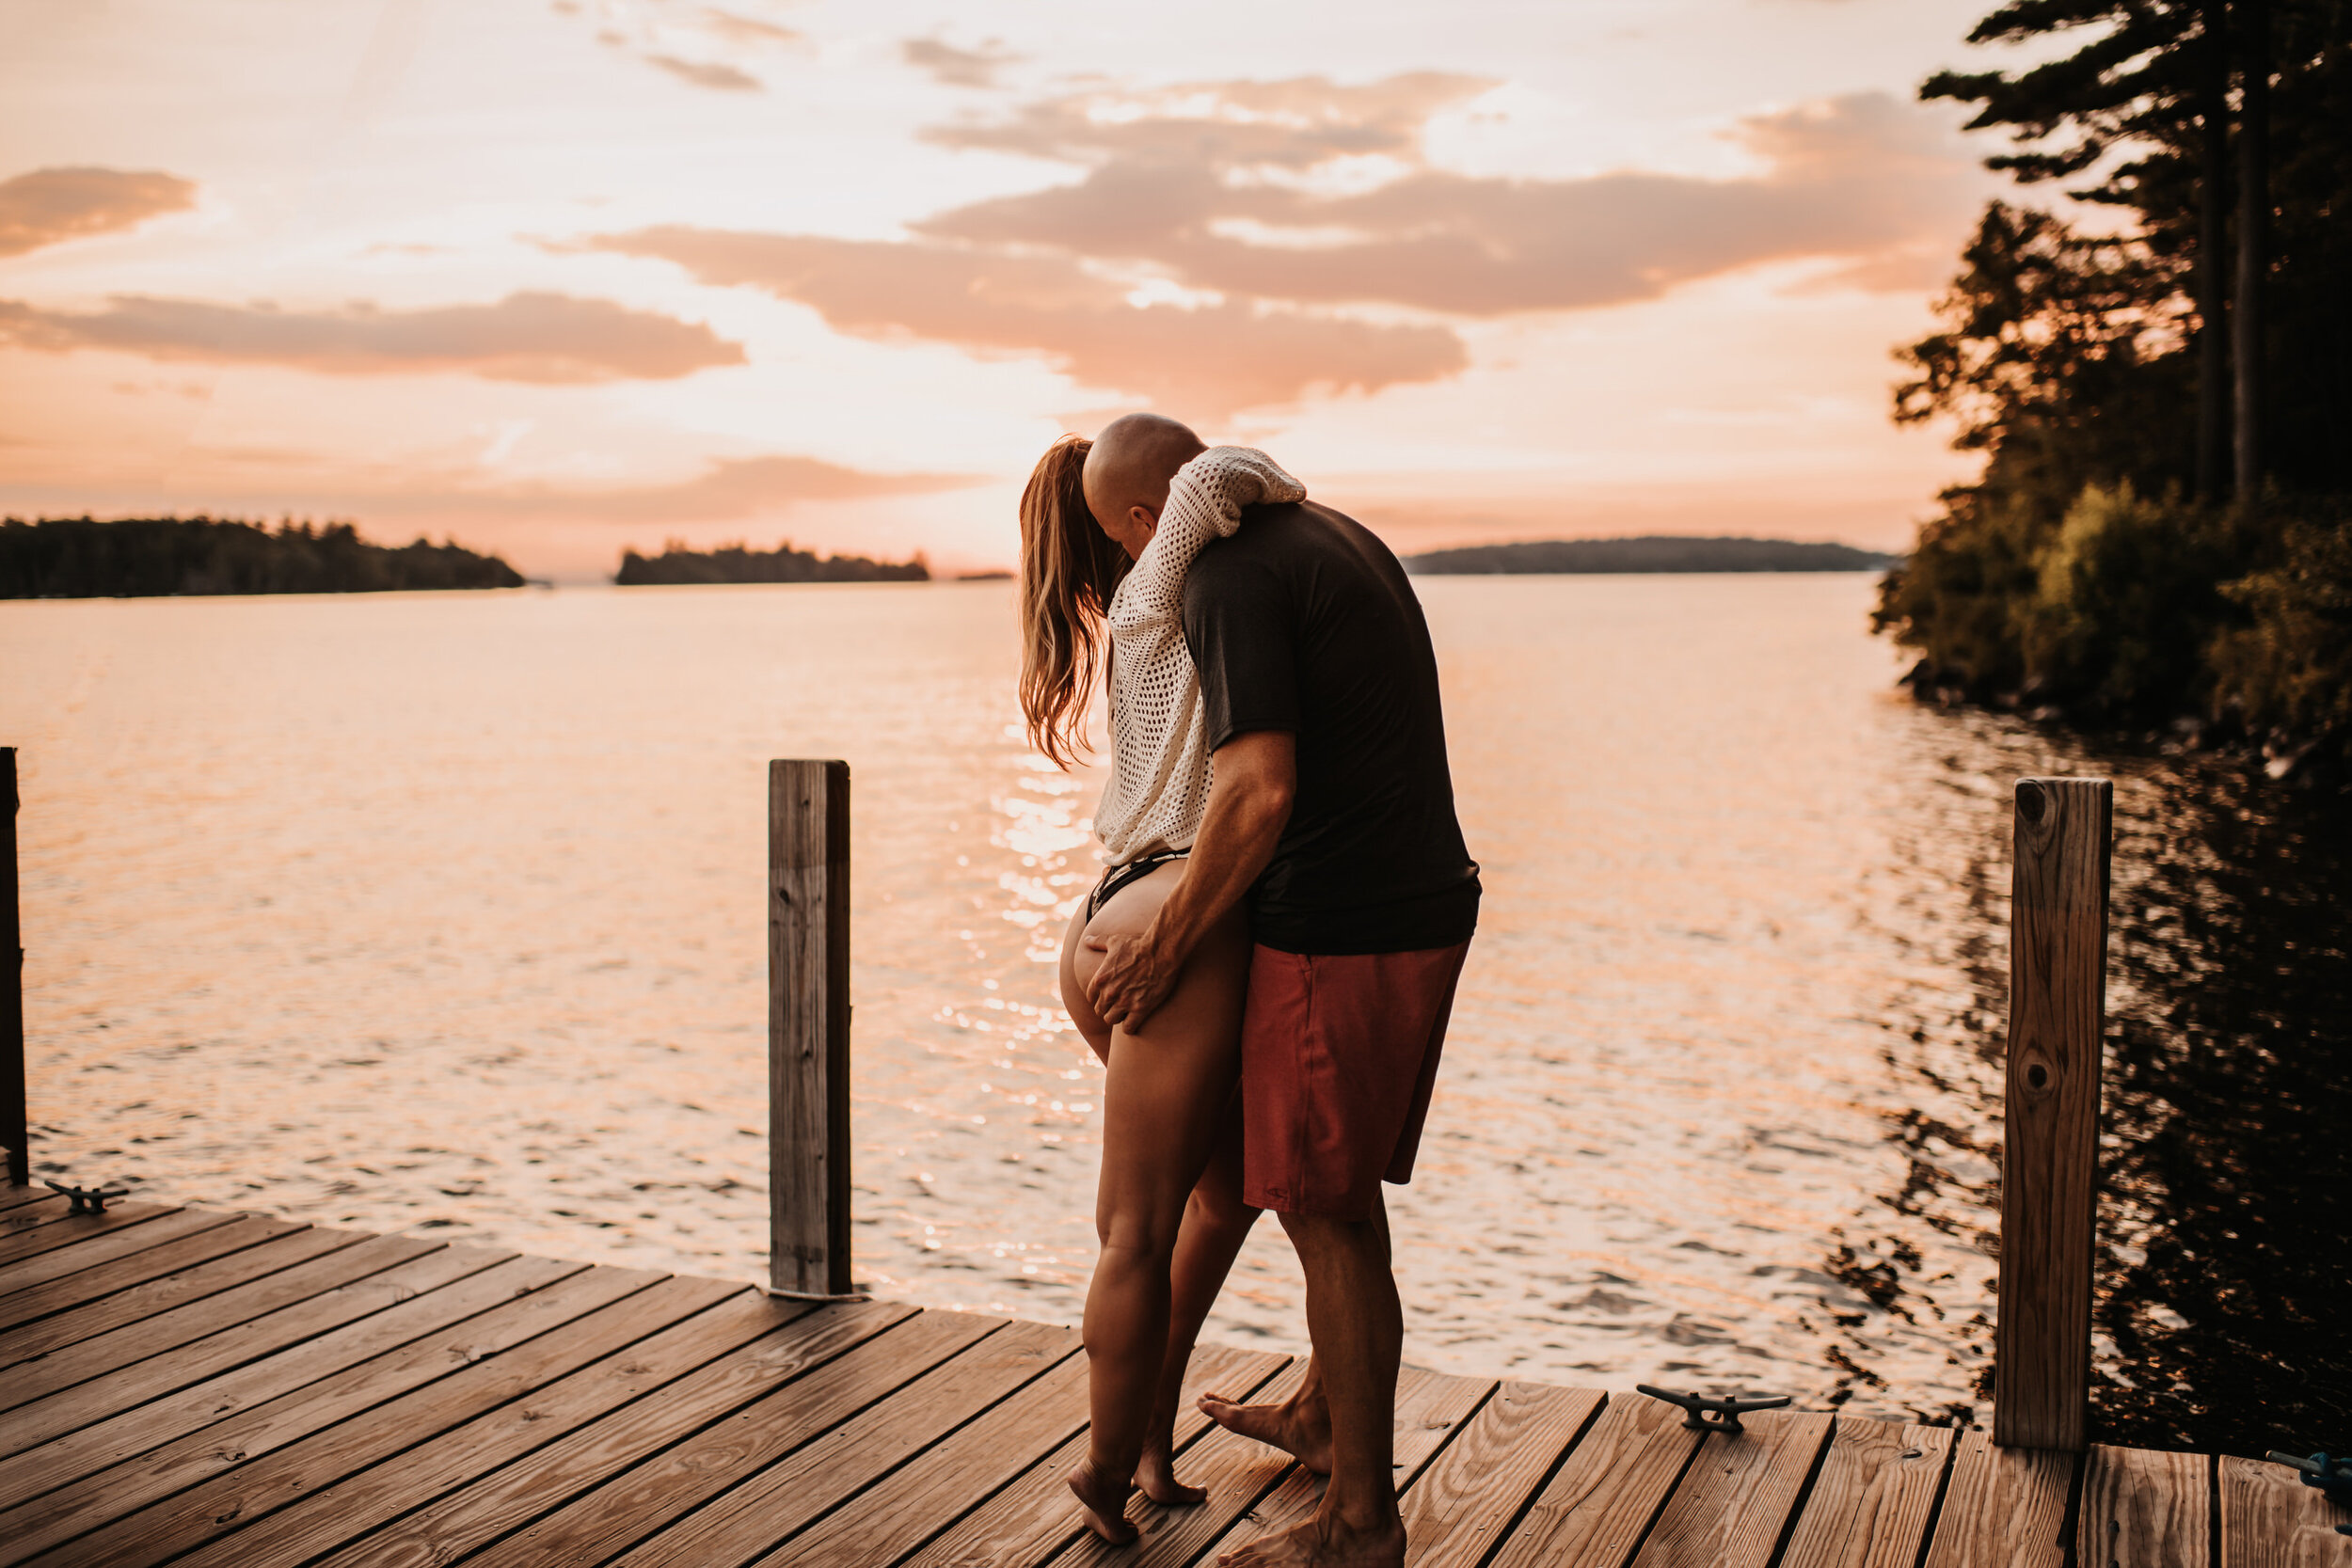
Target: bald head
(1130,467)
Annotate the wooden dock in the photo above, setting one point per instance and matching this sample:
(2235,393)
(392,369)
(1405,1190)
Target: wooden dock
(198,1387)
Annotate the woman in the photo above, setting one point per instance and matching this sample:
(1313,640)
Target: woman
(1106,598)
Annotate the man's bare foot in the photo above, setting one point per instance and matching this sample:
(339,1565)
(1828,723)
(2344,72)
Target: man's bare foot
(1102,1501)
(1323,1543)
(1156,1475)
(1303,1431)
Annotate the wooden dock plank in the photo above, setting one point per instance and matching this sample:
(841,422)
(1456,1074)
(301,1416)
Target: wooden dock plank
(1456,1513)
(63,1230)
(1595,1509)
(116,1392)
(542,1391)
(2270,1519)
(14,1197)
(713,1458)
(1430,1411)
(133,1343)
(360,1321)
(177,1294)
(1034,1516)
(175,1265)
(770,1506)
(912,1503)
(2003,1508)
(463,1521)
(1738,1495)
(92,1249)
(2142,1509)
(1871,1504)
(1237,1474)
(496,1357)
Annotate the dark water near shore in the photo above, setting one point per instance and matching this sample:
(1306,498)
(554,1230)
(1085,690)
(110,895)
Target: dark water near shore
(441,913)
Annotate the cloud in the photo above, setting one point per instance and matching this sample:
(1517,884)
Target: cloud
(957,68)
(1208,361)
(1234,244)
(745,29)
(729,489)
(723,78)
(1853,178)
(544,338)
(51,205)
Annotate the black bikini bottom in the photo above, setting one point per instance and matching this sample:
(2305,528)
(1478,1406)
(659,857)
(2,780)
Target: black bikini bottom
(1119,877)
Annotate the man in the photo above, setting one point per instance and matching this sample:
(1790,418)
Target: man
(1332,812)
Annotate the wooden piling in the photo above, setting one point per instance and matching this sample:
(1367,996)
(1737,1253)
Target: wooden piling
(14,1129)
(808,1027)
(2049,1166)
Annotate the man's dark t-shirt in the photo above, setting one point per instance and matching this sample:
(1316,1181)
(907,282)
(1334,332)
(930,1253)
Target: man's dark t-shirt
(1304,621)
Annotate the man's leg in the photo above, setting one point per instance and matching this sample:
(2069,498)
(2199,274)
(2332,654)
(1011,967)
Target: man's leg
(1358,1331)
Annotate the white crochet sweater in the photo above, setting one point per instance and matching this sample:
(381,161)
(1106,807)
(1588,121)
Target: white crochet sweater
(1159,786)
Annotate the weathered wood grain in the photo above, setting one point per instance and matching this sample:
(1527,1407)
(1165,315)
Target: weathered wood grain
(34,1204)
(85,1241)
(172,1304)
(745,1444)
(1034,1517)
(1874,1499)
(1237,1474)
(175,1266)
(1431,1410)
(501,1354)
(774,1504)
(1595,1510)
(541,1391)
(322,1337)
(1454,1513)
(459,1523)
(2270,1519)
(808,1026)
(13,1119)
(2142,1509)
(1738,1495)
(2003,1508)
(908,1506)
(2056,1016)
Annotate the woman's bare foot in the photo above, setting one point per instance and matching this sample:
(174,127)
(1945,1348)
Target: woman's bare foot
(1102,1501)
(1303,1431)
(1156,1475)
(1323,1543)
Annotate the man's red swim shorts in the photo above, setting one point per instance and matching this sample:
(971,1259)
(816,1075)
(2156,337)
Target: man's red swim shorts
(1338,1057)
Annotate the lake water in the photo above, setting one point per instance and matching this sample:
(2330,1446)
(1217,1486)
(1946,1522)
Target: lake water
(443,913)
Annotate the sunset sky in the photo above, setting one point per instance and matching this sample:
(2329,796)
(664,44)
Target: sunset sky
(555,278)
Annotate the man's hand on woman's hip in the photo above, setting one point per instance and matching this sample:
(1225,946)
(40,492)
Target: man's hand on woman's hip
(1253,777)
(1133,979)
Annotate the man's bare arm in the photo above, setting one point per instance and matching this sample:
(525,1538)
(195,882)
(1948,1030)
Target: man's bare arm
(1255,777)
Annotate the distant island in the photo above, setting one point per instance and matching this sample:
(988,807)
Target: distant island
(737,564)
(1650,553)
(81,558)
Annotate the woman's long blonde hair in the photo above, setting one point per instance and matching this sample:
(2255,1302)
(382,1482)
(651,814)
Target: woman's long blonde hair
(1069,568)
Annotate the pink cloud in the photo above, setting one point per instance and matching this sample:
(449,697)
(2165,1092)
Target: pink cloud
(51,205)
(544,338)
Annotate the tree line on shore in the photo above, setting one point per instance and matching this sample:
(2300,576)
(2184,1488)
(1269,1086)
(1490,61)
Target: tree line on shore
(81,558)
(2162,531)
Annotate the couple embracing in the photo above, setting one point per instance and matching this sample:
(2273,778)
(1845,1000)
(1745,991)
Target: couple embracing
(1267,965)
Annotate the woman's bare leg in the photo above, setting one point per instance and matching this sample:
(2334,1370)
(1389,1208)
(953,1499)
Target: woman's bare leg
(1166,1098)
(1216,1224)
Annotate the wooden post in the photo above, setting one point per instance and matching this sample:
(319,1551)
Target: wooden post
(2049,1166)
(14,1127)
(808,1027)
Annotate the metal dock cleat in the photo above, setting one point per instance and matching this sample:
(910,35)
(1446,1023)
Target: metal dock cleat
(87,1200)
(1701,1414)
